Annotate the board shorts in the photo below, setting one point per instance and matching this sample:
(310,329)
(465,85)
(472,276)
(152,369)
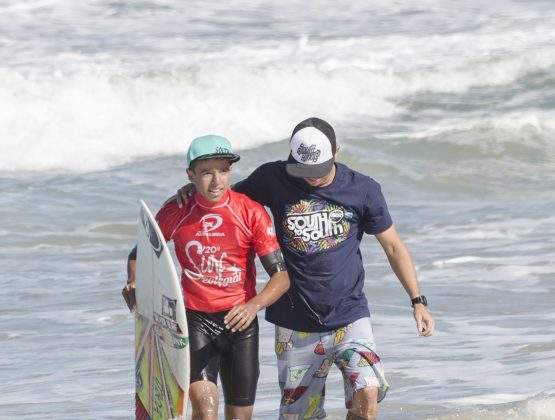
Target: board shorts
(234,355)
(304,360)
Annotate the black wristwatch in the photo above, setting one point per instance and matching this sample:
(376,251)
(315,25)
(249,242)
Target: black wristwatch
(419,299)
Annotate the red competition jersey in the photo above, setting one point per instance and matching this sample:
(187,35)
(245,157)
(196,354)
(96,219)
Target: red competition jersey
(215,244)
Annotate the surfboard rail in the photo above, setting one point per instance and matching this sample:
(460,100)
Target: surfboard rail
(161,334)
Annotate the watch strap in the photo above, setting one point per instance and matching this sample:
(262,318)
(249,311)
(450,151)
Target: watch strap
(419,299)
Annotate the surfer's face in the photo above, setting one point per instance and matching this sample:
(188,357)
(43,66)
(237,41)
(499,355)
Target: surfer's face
(211,178)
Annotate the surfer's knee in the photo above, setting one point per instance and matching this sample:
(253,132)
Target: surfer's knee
(365,404)
(204,400)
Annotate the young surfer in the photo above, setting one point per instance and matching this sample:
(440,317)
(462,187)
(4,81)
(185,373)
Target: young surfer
(216,236)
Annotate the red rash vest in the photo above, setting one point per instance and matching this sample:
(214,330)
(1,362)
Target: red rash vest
(215,244)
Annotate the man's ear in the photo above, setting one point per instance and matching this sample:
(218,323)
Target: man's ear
(190,174)
(337,149)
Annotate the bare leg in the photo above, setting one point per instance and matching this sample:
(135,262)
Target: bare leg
(365,404)
(351,416)
(236,412)
(204,400)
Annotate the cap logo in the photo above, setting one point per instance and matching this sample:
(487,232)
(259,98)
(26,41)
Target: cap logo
(307,154)
(310,146)
(222,150)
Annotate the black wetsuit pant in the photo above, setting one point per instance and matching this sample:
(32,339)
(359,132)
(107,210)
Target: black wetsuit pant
(234,355)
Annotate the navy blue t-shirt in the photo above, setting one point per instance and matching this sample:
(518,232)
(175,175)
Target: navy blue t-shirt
(319,231)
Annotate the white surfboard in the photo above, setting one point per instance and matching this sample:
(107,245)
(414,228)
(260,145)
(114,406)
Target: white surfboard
(161,334)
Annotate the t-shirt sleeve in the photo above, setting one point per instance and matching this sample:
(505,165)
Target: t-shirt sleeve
(376,217)
(257,186)
(264,237)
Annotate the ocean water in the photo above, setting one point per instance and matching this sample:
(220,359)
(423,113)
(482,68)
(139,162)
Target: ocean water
(449,105)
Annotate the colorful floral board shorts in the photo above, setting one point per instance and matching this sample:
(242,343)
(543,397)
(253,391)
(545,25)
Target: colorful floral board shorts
(304,360)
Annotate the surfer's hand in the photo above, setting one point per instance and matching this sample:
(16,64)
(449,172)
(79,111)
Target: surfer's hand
(240,317)
(424,321)
(128,293)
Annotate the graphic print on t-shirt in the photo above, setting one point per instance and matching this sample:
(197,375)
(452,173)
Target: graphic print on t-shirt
(311,226)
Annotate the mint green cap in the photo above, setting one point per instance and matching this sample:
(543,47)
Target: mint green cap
(211,147)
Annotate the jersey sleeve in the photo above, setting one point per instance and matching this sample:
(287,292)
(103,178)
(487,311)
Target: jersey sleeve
(167,218)
(376,217)
(264,237)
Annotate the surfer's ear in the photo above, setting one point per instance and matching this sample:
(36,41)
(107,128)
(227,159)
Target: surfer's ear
(190,174)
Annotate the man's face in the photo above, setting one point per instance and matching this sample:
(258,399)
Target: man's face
(211,178)
(321,182)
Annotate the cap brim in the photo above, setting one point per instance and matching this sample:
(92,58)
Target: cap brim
(301,170)
(231,156)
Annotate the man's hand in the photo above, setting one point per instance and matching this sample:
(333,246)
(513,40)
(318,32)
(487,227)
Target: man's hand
(128,293)
(424,321)
(241,316)
(183,195)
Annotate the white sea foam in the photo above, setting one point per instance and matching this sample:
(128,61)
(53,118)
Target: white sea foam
(80,107)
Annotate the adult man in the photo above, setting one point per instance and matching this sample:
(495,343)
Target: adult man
(321,210)
(216,236)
